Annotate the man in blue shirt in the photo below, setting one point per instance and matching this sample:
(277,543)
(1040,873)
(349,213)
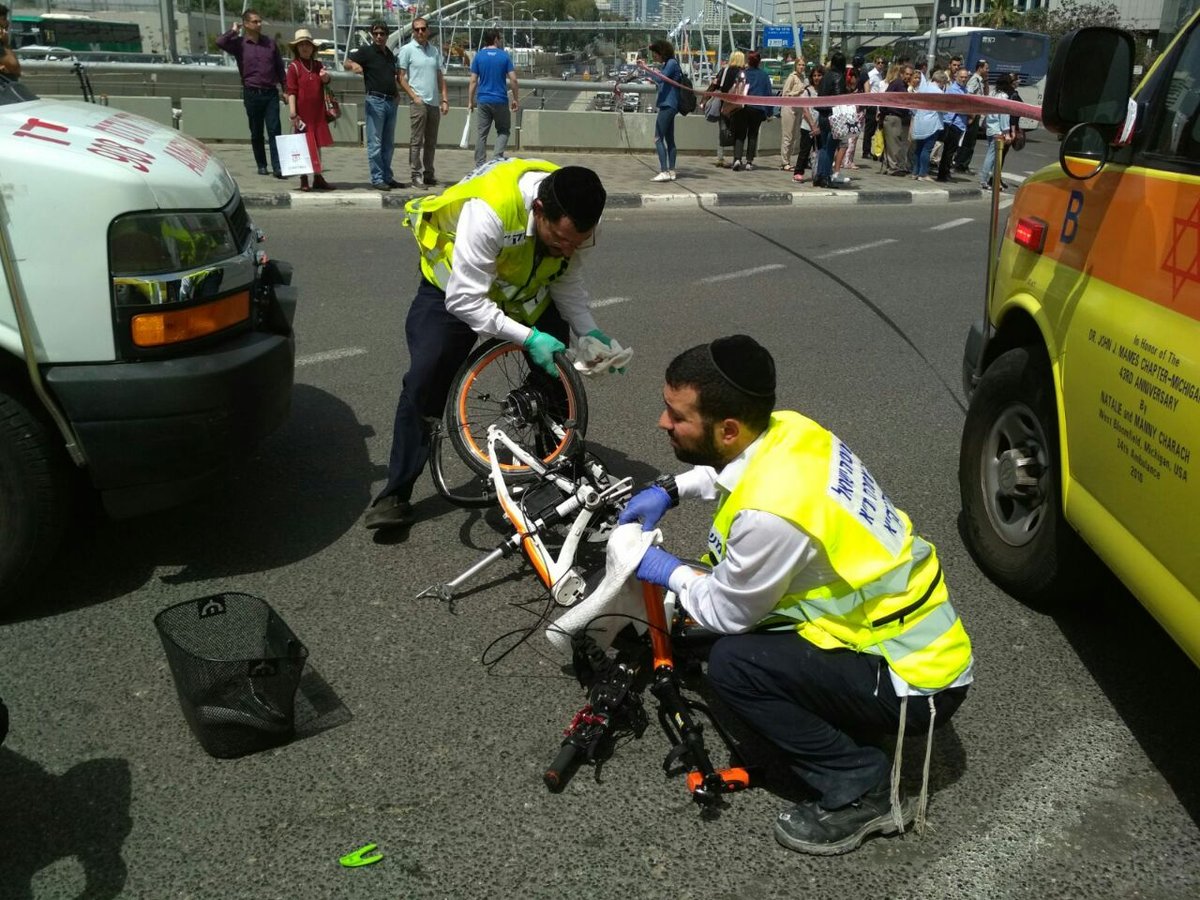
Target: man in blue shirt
(420,65)
(492,78)
(954,125)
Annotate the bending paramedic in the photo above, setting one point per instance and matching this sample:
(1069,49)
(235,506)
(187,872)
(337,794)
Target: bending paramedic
(836,619)
(500,251)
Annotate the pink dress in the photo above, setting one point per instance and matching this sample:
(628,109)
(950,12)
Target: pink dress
(304,82)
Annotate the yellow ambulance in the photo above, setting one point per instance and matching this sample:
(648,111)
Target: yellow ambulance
(1084,375)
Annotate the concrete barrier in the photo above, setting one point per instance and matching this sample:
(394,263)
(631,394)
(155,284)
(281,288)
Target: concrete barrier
(157,109)
(564,130)
(225,120)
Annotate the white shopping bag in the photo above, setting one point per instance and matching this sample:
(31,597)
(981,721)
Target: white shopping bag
(294,158)
(464,141)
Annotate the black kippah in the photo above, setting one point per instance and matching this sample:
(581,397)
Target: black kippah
(745,364)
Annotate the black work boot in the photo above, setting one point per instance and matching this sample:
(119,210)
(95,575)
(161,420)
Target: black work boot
(810,828)
(389,512)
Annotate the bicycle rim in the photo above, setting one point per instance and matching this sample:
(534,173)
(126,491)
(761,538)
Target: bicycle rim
(543,415)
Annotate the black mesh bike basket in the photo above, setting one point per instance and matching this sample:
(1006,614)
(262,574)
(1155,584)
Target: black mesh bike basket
(236,666)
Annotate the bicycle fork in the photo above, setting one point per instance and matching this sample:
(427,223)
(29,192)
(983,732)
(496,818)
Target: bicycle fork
(705,782)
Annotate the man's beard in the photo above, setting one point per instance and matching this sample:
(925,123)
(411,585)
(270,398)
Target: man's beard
(705,453)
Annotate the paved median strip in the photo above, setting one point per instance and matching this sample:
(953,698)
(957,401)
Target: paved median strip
(676,201)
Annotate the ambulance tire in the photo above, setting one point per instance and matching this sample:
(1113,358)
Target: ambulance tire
(34,495)
(1018,536)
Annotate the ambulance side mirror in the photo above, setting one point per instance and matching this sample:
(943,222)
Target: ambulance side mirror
(1083,152)
(1090,80)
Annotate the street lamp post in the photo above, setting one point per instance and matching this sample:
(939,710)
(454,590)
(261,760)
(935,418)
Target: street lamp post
(512,15)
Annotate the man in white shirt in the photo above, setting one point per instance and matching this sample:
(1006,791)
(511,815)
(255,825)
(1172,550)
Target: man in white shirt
(495,260)
(834,612)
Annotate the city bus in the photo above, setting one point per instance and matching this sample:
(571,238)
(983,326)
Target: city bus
(76,33)
(1025,54)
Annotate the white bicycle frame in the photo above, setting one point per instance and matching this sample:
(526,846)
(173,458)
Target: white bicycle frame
(583,501)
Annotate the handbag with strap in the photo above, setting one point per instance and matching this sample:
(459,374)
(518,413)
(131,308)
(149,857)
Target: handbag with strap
(712,109)
(333,109)
(741,89)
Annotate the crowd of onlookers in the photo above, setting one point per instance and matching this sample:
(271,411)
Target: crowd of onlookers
(926,144)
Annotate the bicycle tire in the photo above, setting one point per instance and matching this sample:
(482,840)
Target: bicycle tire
(498,384)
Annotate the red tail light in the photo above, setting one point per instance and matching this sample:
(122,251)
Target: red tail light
(1030,233)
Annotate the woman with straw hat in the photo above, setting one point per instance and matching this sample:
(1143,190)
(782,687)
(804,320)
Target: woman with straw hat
(306,80)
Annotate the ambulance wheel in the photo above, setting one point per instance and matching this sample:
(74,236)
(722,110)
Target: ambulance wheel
(1010,483)
(34,494)
(498,385)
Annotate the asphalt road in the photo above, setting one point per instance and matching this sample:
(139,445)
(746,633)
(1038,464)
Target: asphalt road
(1069,772)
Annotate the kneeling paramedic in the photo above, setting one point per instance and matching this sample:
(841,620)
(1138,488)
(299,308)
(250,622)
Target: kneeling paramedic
(837,623)
(500,250)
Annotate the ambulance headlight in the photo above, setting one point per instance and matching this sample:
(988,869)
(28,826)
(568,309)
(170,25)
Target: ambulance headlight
(159,243)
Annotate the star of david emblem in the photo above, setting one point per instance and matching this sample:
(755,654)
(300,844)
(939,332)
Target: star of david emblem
(1183,259)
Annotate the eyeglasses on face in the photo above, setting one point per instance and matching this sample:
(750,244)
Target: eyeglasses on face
(420,28)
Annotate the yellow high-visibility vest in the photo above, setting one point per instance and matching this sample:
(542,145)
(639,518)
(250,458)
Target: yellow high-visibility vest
(521,287)
(890,598)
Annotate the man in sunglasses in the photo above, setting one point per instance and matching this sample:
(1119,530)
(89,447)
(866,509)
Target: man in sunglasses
(376,63)
(420,65)
(500,251)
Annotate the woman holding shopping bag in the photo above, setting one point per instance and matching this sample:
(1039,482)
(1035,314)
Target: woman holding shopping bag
(306,80)
(667,104)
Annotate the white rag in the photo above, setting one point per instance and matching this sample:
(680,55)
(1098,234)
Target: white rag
(618,597)
(592,356)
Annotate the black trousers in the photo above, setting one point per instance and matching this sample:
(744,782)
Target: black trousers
(806,147)
(966,147)
(438,344)
(950,138)
(262,111)
(826,709)
(869,126)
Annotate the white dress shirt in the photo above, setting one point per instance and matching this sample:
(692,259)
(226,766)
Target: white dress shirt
(766,557)
(479,238)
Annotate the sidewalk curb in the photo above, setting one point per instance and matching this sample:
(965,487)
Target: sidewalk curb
(675,201)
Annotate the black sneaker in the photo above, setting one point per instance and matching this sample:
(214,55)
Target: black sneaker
(810,828)
(380,186)
(428,180)
(389,512)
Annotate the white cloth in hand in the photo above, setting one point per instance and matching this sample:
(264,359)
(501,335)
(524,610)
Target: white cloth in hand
(618,597)
(591,357)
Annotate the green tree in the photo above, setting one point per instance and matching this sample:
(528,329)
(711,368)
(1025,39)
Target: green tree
(998,14)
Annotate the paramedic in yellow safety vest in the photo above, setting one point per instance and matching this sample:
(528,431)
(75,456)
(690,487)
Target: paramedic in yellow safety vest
(836,619)
(499,251)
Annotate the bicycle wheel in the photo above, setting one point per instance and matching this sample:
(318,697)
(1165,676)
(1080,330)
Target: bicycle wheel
(498,385)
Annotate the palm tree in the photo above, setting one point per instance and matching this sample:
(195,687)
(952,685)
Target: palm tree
(999,14)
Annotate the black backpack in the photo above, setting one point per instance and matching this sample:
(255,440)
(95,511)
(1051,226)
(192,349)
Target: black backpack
(687,96)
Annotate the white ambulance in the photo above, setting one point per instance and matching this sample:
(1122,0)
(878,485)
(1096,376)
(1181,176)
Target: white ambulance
(145,339)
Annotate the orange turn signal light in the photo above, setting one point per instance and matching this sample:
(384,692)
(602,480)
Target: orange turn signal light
(156,329)
(1030,233)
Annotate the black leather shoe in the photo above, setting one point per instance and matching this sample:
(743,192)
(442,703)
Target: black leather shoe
(397,184)
(429,181)
(279,175)
(262,170)
(810,828)
(389,512)
(380,186)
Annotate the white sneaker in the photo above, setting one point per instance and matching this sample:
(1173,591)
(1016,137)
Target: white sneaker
(662,176)
(672,174)
(841,179)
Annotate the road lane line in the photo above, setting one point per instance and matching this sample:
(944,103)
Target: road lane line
(608,301)
(330,355)
(1042,808)
(953,223)
(846,250)
(730,276)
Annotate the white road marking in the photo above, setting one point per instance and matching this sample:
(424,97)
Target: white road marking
(1044,807)
(608,301)
(329,355)
(730,276)
(1009,176)
(953,223)
(846,250)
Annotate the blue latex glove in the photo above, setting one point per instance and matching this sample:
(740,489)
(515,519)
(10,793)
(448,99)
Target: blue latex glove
(607,342)
(656,566)
(542,347)
(646,506)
